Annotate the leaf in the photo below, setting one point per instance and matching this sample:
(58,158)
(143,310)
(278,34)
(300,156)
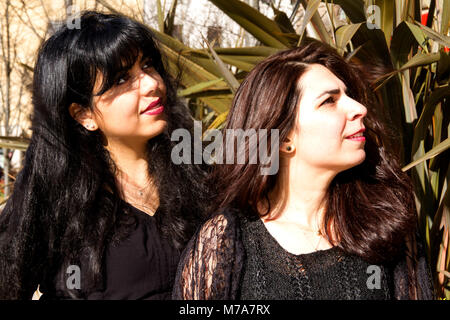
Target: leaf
(27,67)
(443,209)
(443,69)
(226,73)
(408,98)
(436,36)
(160,15)
(176,49)
(438,121)
(244,63)
(441,147)
(283,21)
(241,54)
(193,74)
(16,143)
(428,110)
(373,45)
(262,28)
(403,39)
(446,273)
(220,119)
(170,18)
(421,59)
(418,33)
(258,51)
(196,68)
(310,10)
(199,87)
(445,18)
(318,25)
(354,9)
(387,11)
(243,58)
(345,33)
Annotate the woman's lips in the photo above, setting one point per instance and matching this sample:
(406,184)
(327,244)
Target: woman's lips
(154,108)
(155,111)
(358,136)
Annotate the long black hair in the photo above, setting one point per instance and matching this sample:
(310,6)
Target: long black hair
(66,206)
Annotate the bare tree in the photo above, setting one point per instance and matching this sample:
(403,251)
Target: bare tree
(14,79)
(6,93)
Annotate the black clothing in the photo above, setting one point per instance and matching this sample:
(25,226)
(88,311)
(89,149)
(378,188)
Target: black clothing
(271,272)
(142,266)
(235,257)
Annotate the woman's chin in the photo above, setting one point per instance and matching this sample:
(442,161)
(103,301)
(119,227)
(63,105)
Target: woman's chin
(157,128)
(357,160)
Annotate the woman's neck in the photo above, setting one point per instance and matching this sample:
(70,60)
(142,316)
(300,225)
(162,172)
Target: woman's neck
(130,160)
(132,177)
(300,195)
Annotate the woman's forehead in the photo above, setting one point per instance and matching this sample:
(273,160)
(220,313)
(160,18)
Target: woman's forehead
(318,78)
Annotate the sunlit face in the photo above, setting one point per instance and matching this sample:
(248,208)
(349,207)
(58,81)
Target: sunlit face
(133,109)
(327,119)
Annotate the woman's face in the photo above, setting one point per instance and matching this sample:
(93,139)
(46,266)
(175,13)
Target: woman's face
(327,122)
(133,109)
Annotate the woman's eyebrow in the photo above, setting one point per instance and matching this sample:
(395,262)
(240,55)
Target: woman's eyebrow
(144,59)
(331,92)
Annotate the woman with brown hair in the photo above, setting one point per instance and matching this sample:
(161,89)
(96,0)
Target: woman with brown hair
(337,221)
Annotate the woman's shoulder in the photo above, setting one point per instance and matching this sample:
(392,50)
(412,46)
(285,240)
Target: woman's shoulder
(219,223)
(223,221)
(211,264)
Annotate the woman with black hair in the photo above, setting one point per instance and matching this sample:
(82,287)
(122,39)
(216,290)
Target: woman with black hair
(337,221)
(99,210)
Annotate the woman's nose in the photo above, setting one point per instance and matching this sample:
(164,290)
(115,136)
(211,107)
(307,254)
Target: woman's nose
(147,82)
(355,109)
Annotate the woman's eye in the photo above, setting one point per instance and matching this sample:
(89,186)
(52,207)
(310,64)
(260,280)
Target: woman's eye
(122,79)
(147,64)
(329,101)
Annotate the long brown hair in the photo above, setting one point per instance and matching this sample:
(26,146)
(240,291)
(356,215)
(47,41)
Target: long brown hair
(370,206)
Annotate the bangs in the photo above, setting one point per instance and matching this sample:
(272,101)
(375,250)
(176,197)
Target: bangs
(113,47)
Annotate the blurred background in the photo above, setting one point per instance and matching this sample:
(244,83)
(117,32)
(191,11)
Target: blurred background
(211,45)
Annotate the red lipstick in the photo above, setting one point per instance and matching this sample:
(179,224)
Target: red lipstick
(154,108)
(357,136)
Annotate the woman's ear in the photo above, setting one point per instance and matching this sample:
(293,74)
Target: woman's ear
(287,147)
(83,116)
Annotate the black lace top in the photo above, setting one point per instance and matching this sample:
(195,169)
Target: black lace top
(233,257)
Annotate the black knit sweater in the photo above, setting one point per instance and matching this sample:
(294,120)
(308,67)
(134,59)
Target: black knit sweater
(270,272)
(234,257)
